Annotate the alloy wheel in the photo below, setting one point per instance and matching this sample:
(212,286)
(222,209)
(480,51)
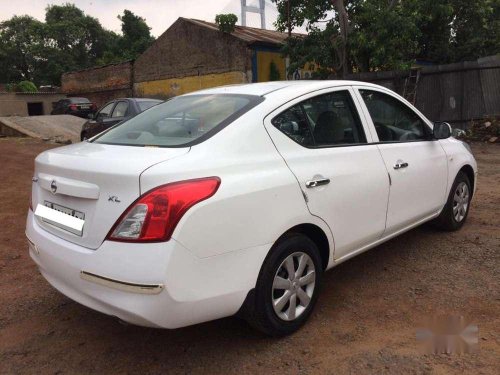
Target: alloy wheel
(460,201)
(293,286)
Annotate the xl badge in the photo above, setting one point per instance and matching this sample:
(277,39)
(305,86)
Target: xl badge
(114,199)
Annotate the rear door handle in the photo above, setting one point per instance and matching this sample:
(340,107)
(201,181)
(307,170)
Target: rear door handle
(400,165)
(318,182)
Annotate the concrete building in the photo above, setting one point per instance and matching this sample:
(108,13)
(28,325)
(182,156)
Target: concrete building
(28,104)
(190,55)
(194,54)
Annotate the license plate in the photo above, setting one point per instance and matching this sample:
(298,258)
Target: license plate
(65,210)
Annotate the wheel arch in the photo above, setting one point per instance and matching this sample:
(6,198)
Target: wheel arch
(469,172)
(317,235)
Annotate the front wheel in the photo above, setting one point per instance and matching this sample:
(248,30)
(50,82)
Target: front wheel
(457,207)
(287,287)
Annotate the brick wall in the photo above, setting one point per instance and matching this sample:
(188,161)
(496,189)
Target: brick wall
(100,84)
(187,49)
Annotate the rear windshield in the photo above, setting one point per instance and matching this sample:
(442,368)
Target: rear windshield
(143,105)
(181,121)
(79,100)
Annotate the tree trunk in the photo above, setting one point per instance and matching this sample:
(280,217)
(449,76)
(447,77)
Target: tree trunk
(339,7)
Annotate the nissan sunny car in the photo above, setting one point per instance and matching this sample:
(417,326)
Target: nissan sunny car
(237,199)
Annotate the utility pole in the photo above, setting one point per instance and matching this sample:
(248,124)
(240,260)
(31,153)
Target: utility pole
(289,23)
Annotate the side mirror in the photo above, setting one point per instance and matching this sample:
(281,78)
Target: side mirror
(442,130)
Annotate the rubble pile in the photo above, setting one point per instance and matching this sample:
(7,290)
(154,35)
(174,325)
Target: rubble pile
(483,131)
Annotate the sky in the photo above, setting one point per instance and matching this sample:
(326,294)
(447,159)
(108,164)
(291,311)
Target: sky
(159,14)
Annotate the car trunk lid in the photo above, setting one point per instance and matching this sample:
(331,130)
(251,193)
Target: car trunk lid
(93,183)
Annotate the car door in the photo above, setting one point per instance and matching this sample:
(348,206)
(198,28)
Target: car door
(416,162)
(342,175)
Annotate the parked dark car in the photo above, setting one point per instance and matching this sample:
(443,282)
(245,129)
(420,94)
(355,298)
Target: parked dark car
(113,112)
(81,107)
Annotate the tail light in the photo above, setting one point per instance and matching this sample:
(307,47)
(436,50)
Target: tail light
(73,107)
(154,216)
(93,107)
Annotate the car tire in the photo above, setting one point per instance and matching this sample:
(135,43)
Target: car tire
(457,206)
(271,311)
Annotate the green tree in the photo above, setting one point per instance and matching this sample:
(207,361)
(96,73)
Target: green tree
(274,73)
(21,43)
(67,40)
(357,35)
(76,40)
(367,35)
(136,35)
(475,28)
(26,86)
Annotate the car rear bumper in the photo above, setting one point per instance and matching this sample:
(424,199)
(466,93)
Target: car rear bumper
(156,285)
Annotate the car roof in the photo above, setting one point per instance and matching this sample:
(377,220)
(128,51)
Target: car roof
(266,88)
(77,98)
(138,100)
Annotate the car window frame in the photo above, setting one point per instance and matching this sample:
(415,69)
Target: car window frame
(113,102)
(400,99)
(126,111)
(254,101)
(288,105)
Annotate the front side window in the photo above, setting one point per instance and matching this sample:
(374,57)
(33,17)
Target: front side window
(120,109)
(394,121)
(180,121)
(324,120)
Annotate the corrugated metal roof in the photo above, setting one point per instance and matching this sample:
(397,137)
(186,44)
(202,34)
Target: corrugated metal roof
(250,35)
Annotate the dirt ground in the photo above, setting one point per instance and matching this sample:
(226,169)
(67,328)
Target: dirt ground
(364,323)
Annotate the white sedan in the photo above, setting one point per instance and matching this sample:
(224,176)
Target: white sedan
(237,199)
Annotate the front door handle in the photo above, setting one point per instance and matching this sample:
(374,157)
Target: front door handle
(318,182)
(400,165)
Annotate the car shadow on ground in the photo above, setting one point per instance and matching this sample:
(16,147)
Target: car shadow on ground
(363,268)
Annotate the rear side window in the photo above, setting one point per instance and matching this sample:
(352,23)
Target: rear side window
(181,121)
(322,121)
(120,109)
(394,121)
(79,100)
(293,123)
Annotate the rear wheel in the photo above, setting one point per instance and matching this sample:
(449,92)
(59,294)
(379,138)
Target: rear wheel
(457,207)
(288,285)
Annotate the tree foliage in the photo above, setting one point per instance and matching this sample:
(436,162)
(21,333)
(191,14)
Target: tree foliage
(226,22)
(68,40)
(26,86)
(274,73)
(366,35)
(136,34)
